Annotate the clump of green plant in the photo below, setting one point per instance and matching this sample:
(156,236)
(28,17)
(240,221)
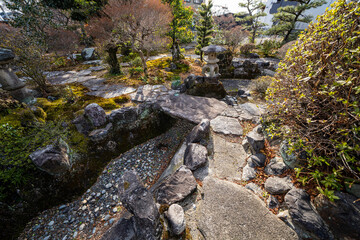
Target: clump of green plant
(247,48)
(268,47)
(136,71)
(136,62)
(316,95)
(261,84)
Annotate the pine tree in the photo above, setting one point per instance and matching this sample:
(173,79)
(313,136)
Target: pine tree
(180,26)
(251,18)
(284,21)
(204,27)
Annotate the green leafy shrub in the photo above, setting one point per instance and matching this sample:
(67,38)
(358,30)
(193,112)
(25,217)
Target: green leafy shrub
(269,46)
(136,62)
(17,143)
(247,48)
(316,95)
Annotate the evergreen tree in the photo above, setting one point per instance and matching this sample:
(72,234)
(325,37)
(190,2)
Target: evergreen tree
(251,18)
(204,27)
(180,27)
(284,21)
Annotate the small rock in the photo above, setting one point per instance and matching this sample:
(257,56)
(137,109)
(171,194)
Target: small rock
(256,141)
(195,156)
(115,210)
(248,173)
(109,185)
(75,234)
(82,226)
(47,238)
(176,218)
(275,167)
(51,223)
(276,185)
(107,217)
(62,207)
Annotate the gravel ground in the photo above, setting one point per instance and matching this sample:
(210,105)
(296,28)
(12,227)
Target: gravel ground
(99,208)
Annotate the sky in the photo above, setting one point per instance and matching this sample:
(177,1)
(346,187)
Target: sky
(233,5)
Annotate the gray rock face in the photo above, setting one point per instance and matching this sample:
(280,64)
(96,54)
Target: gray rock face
(95,114)
(83,125)
(99,135)
(195,156)
(229,211)
(258,159)
(256,141)
(276,185)
(342,215)
(273,202)
(88,54)
(6,55)
(303,214)
(246,70)
(248,173)
(226,125)
(140,202)
(176,187)
(354,190)
(252,109)
(122,230)
(176,218)
(53,159)
(199,132)
(123,115)
(275,167)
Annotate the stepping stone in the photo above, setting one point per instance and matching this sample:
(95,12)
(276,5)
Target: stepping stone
(112,91)
(229,211)
(226,125)
(228,160)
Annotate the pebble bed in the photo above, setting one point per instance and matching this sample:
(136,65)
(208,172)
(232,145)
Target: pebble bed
(99,207)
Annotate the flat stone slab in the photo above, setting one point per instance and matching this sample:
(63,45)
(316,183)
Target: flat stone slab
(229,211)
(226,125)
(229,158)
(148,93)
(191,108)
(111,91)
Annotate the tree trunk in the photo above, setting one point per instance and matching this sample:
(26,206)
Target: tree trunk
(112,60)
(201,55)
(143,60)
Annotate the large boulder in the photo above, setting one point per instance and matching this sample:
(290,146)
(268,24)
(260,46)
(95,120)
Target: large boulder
(95,114)
(140,202)
(176,187)
(53,159)
(204,87)
(195,156)
(88,54)
(342,215)
(102,134)
(176,218)
(305,216)
(199,132)
(6,55)
(246,69)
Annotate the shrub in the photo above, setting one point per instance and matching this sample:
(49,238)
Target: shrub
(136,71)
(268,46)
(136,62)
(316,95)
(247,48)
(261,84)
